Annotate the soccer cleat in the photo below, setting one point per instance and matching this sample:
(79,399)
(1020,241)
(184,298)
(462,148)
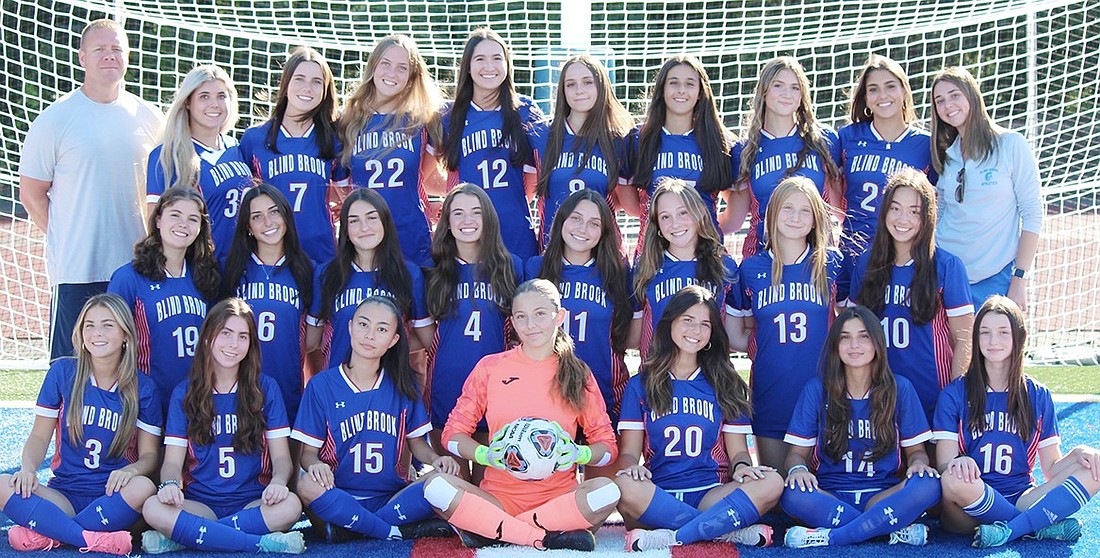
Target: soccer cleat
(915,534)
(640,540)
(108,542)
(991,535)
(753,535)
(801,537)
(431,528)
(578,539)
(154,542)
(1068,530)
(25,539)
(285,543)
(470,539)
(339,535)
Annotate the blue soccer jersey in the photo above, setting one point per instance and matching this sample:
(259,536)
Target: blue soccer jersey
(475,328)
(168,315)
(272,293)
(775,157)
(223,178)
(83,468)
(361,285)
(855,470)
(920,352)
(868,161)
(674,275)
(388,162)
(792,320)
(486,161)
(588,322)
(571,172)
(217,474)
(361,433)
(298,171)
(684,448)
(1006,461)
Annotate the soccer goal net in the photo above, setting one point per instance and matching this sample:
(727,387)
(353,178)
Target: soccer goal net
(1037,63)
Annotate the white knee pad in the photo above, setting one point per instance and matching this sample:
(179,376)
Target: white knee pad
(439,493)
(600,498)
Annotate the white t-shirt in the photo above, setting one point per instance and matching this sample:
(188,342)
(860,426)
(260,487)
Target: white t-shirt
(94,155)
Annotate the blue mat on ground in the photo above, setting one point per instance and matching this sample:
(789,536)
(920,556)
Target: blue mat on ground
(1079,423)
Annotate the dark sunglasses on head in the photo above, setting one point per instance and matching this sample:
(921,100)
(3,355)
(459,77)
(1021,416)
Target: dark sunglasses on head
(960,189)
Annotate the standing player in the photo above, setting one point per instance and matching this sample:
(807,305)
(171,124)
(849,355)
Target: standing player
(990,426)
(542,377)
(196,151)
(269,270)
(993,226)
(682,137)
(368,262)
(84,197)
(227,462)
(167,286)
(881,140)
(487,137)
(585,261)
(385,129)
(779,128)
(98,482)
(681,247)
(296,149)
(857,419)
(468,292)
(358,481)
(585,146)
(689,411)
(788,304)
(919,292)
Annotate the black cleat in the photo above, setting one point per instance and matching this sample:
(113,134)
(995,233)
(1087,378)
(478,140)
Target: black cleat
(431,528)
(580,539)
(473,540)
(338,535)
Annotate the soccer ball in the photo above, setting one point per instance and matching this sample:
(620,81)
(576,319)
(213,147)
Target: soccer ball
(530,448)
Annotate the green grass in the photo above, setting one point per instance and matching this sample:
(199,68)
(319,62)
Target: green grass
(22,385)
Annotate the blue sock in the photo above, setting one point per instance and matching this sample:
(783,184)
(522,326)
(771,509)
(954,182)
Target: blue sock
(666,512)
(343,510)
(199,533)
(407,506)
(992,506)
(891,513)
(1061,502)
(45,518)
(817,508)
(735,511)
(248,520)
(107,513)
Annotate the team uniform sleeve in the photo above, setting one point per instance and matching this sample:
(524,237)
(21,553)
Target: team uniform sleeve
(731,299)
(912,424)
(535,125)
(856,269)
(956,287)
(737,425)
(420,317)
(150,413)
(803,428)
(278,425)
(122,284)
(948,417)
(51,395)
(744,296)
(470,407)
(154,177)
(419,423)
(631,413)
(736,155)
(175,431)
(532,267)
(311,425)
(1025,183)
(1046,417)
(313,316)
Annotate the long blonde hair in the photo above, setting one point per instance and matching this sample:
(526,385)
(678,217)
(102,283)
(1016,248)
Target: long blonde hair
(127,374)
(817,239)
(178,159)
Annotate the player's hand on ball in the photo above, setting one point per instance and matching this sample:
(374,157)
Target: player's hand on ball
(570,454)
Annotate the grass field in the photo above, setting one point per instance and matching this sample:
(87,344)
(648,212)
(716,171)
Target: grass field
(22,385)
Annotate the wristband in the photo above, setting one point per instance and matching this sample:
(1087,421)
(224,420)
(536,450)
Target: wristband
(738,464)
(169,482)
(797,467)
(481,455)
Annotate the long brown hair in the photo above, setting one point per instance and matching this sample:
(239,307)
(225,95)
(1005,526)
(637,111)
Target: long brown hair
(198,403)
(571,378)
(609,262)
(149,257)
(980,139)
(710,134)
(323,115)
(607,123)
(396,359)
(924,292)
(858,110)
(127,374)
(837,409)
(495,265)
(977,377)
(732,392)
